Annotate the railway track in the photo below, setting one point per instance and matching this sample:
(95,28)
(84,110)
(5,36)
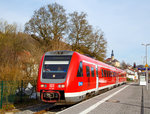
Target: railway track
(43,109)
(57,108)
(33,109)
(50,108)
(54,109)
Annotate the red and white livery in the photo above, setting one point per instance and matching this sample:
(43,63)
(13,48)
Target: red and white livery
(69,77)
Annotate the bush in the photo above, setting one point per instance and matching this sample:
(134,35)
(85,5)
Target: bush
(129,79)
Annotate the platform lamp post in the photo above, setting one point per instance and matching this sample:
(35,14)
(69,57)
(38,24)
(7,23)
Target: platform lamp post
(146,64)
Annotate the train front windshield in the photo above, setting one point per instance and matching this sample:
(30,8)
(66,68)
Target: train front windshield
(55,67)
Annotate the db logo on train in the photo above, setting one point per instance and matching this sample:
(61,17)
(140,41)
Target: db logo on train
(51,86)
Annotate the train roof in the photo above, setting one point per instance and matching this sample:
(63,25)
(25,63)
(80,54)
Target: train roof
(65,52)
(60,52)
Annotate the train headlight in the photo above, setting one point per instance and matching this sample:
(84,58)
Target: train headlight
(61,86)
(42,85)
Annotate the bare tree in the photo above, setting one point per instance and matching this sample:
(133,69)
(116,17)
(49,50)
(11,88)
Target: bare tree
(7,28)
(124,65)
(97,44)
(84,38)
(79,29)
(48,23)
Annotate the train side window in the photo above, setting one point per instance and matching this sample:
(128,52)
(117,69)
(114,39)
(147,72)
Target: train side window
(92,71)
(108,73)
(105,73)
(113,74)
(80,70)
(102,73)
(97,74)
(88,71)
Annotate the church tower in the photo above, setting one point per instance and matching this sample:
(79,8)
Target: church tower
(112,56)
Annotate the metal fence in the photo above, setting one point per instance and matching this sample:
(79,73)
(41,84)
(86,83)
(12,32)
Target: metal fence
(13,92)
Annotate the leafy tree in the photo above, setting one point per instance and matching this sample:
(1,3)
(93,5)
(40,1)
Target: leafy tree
(48,23)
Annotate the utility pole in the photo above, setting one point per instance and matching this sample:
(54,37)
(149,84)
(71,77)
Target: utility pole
(146,64)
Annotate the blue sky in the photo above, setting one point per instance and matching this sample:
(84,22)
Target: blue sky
(125,23)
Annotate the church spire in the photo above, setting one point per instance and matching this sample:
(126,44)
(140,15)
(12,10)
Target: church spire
(112,55)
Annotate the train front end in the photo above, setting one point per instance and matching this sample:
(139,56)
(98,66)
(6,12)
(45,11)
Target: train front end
(52,76)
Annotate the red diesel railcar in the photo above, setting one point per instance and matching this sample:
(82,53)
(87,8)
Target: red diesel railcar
(69,77)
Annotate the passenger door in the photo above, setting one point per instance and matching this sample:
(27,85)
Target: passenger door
(97,78)
(117,78)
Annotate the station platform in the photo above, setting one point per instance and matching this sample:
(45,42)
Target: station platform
(125,99)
